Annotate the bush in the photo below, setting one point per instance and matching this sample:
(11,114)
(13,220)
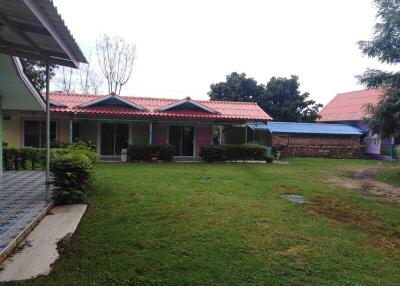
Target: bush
(269,159)
(164,152)
(230,152)
(144,152)
(71,177)
(213,153)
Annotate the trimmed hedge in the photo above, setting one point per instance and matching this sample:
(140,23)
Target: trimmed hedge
(231,152)
(72,168)
(29,158)
(145,152)
(71,178)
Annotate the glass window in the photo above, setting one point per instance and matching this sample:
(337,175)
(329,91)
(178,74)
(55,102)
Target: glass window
(35,133)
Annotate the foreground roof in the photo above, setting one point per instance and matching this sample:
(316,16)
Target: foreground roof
(159,108)
(33,29)
(307,128)
(350,106)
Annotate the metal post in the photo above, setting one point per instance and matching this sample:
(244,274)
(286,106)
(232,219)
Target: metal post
(1,137)
(151,133)
(47,131)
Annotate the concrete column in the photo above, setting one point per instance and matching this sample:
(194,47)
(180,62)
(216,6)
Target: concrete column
(70,132)
(245,134)
(151,133)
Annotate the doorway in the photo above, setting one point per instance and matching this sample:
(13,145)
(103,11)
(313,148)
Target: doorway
(114,138)
(182,139)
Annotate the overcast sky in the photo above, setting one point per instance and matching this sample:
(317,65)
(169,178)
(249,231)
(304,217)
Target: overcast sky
(183,46)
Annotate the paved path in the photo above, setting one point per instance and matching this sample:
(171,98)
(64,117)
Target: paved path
(40,250)
(22,199)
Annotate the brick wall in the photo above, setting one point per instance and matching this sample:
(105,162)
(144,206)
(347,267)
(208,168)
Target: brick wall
(319,145)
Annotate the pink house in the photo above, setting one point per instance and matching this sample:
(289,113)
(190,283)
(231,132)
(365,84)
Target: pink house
(351,108)
(112,122)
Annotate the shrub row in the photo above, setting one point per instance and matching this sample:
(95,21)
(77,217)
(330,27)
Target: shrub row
(23,158)
(71,168)
(230,152)
(145,152)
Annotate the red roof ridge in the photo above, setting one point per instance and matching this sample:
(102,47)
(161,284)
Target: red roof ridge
(360,90)
(151,98)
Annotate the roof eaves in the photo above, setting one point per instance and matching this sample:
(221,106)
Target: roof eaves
(104,98)
(187,100)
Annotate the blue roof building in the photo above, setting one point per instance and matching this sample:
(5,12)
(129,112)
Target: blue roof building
(306,128)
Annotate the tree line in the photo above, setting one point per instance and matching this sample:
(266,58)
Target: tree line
(280,97)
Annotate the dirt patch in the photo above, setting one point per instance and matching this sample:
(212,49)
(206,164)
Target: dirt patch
(364,180)
(286,189)
(364,221)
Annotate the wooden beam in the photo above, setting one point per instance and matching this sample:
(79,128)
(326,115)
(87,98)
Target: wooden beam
(33,29)
(12,25)
(36,57)
(22,47)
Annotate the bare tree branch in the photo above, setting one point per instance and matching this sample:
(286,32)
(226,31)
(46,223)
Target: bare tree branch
(65,79)
(116,59)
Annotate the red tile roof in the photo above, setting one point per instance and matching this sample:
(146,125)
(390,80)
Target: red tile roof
(350,106)
(226,110)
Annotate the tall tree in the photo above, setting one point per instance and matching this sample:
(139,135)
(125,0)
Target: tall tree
(116,59)
(237,87)
(283,100)
(385,46)
(280,98)
(36,72)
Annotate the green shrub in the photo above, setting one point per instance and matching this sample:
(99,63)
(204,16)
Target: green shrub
(144,152)
(138,152)
(269,159)
(71,177)
(164,152)
(212,153)
(243,152)
(232,152)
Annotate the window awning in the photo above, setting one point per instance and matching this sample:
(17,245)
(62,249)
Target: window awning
(33,29)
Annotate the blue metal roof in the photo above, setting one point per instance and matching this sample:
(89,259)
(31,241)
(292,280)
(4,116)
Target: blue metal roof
(306,128)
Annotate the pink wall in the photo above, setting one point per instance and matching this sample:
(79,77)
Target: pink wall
(159,134)
(203,136)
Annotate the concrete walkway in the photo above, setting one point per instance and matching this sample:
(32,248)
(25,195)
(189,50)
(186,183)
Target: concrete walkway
(40,250)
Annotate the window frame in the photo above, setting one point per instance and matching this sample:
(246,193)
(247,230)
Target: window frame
(37,120)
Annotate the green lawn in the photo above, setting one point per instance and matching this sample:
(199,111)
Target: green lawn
(227,224)
(391,176)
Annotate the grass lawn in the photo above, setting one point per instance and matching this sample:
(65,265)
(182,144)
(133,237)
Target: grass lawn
(228,224)
(390,176)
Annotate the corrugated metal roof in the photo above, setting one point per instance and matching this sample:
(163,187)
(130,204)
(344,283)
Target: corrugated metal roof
(350,106)
(307,128)
(34,29)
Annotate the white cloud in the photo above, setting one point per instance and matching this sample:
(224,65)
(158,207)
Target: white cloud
(183,46)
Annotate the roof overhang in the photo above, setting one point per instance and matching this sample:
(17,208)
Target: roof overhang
(33,29)
(306,128)
(187,101)
(16,90)
(104,99)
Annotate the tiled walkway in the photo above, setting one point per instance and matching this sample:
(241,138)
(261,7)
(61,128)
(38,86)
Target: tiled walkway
(22,199)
